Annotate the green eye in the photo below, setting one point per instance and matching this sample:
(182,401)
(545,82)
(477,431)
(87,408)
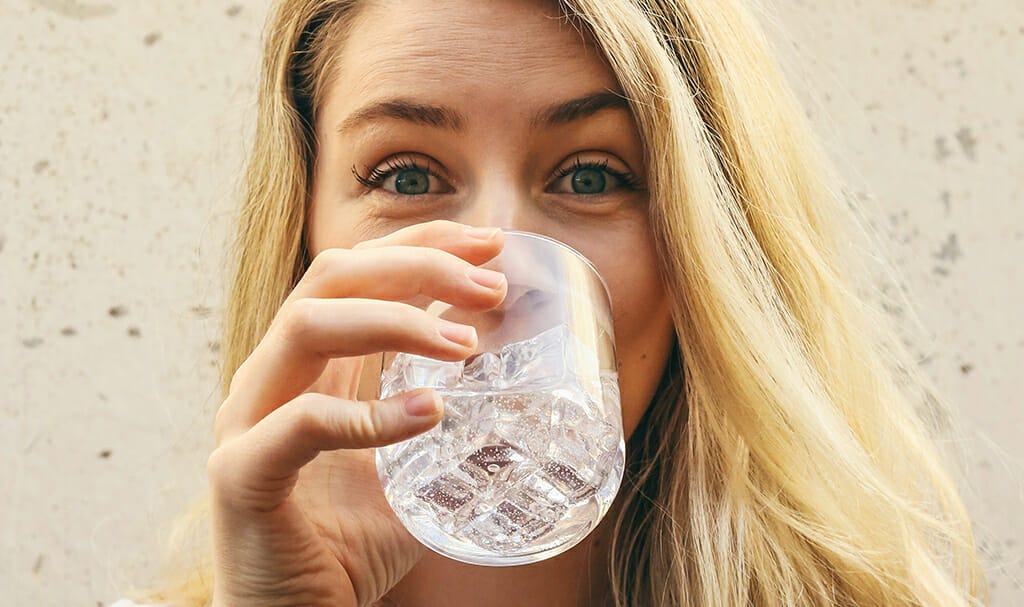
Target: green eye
(593,178)
(412,182)
(588,181)
(404,178)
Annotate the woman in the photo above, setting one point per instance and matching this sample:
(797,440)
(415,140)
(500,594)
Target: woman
(774,456)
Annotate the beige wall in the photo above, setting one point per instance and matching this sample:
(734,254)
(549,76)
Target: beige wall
(122,131)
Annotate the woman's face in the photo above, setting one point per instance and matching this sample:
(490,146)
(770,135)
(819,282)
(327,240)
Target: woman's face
(493,113)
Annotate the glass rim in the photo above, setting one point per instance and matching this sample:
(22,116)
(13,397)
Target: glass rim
(577,254)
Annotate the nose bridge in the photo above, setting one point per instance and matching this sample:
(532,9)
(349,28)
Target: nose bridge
(499,199)
(492,209)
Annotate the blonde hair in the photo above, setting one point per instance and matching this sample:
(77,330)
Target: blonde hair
(781,461)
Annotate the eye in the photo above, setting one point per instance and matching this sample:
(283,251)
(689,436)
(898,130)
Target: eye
(409,182)
(591,178)
(404,177)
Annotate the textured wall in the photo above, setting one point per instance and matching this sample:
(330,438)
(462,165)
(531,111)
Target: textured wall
(122,131)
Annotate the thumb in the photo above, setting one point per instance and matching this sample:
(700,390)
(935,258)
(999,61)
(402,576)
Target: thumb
(269,454)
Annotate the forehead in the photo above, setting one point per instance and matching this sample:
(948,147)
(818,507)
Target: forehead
(498,55)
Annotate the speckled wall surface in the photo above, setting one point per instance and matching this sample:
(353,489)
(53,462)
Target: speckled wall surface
(123,127)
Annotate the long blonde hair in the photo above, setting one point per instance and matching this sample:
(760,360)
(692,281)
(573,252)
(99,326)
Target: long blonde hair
(781,461)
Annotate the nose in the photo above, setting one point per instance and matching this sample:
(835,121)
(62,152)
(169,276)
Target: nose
(506,205)
(501,202)
(496,209)
(504,199)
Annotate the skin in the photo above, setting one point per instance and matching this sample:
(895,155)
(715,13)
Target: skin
(296,501)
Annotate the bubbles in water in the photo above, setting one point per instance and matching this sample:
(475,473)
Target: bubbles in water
(446,493)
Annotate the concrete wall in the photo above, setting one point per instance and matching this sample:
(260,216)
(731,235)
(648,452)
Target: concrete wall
(123,127)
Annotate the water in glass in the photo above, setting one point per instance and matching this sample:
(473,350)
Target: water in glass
(525,462)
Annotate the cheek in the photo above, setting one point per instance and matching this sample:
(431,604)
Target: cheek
(643,326)
(638,301)
(330,222)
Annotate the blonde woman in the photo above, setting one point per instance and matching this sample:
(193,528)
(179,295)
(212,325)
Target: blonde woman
(774,456)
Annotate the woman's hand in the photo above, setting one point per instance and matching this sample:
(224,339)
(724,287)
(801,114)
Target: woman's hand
(298,514)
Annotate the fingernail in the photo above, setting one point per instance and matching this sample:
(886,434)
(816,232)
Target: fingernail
(424,404)
(482,233)
(486,278)
(462,335)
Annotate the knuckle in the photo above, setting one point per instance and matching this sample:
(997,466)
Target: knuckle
(233,481)
(365,425)
(316,416)
(312,415)
(297,318)
(325,262)
(412,318)
(305,400)
(303,420)
(439,259)
(220,466)
(442,228)
(304,411)
(431,266)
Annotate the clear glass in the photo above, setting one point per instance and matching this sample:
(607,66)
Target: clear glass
(530,452)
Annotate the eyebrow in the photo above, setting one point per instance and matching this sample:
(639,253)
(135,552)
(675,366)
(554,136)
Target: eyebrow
(441,117)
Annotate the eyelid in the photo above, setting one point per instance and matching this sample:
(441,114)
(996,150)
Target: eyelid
(627,179)
(374,178)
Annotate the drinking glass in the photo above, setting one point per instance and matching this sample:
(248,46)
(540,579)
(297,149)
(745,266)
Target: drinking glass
(529,454)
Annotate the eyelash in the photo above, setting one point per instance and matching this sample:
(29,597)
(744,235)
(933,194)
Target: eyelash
(374,179)
(626,180)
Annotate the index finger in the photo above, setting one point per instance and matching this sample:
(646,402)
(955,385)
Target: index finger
(474,244)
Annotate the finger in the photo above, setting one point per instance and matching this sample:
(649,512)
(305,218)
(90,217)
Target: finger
(399,273)
(257,470)
(474,244)
(309,332)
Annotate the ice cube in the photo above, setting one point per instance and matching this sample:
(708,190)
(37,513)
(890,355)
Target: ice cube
(473,418)
(568,480)
(493,463)
(523,522)
(482,370)
(411,371)
(524,419)
(509,528)
(539,487)
(538,361)
(445,494)
(410,464)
